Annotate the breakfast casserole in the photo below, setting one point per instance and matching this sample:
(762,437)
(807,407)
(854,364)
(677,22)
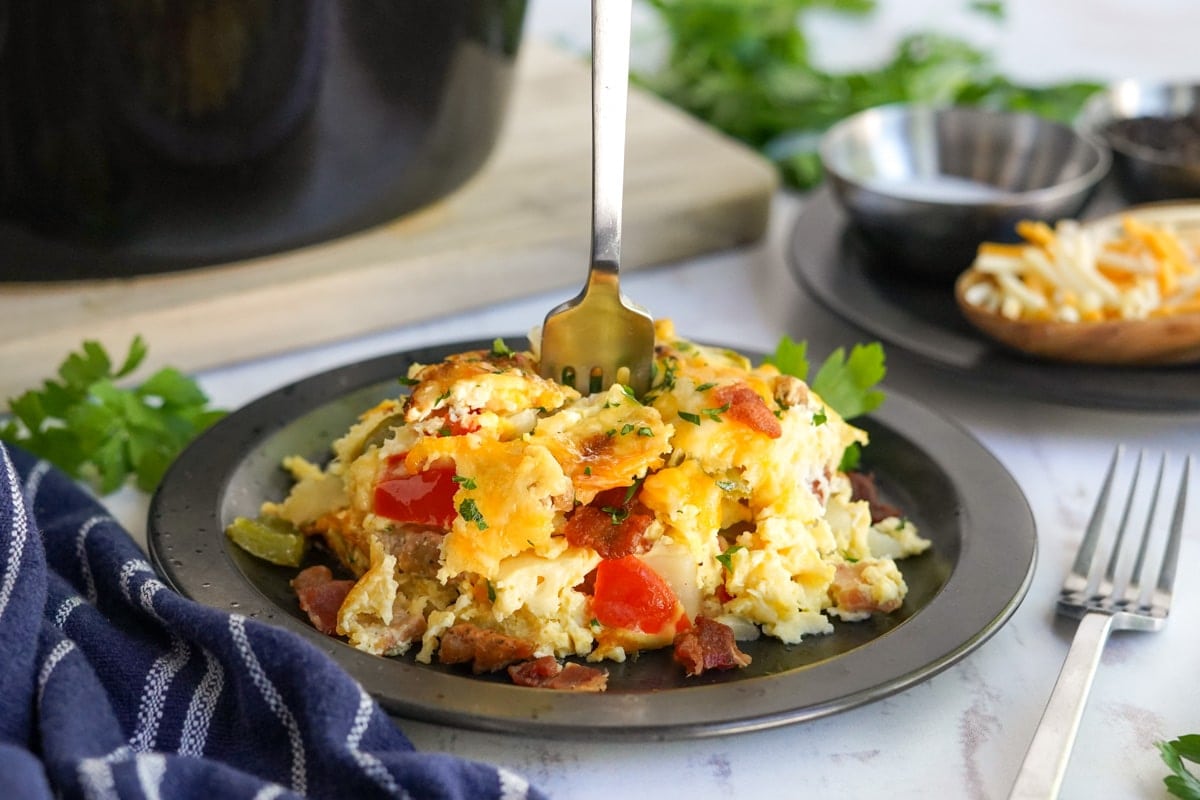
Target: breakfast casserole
(494,518)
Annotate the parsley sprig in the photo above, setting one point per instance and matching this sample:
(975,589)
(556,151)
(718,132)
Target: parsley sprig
(845,382)
(95,429)
(747,68)
(1182,783)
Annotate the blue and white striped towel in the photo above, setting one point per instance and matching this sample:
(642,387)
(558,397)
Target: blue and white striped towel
(112,685)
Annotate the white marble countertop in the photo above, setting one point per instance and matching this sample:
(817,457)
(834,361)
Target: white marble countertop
(962,733)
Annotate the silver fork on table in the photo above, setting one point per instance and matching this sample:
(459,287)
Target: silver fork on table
(599,337)
(1105,593)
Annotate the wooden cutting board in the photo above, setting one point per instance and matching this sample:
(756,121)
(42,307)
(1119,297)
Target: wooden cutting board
(519,226)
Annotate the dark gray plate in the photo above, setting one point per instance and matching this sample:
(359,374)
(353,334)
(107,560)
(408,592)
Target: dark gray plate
(959,593)
(921,319)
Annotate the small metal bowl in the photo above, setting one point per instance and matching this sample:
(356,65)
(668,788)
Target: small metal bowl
(926,185)
(1153,130)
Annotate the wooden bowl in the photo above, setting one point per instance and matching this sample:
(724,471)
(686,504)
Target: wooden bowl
(1163,340)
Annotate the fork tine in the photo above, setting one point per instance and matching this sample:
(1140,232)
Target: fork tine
(1166,573)
(1077,581)
(1110,571)
(1132,592)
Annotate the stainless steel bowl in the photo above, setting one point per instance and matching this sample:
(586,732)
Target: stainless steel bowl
(925,186)
(1146,125)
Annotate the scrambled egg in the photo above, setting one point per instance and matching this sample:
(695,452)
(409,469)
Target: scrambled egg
(490,495)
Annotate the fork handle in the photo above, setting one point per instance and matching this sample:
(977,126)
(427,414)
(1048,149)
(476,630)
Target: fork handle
(1046,760)
(611,20)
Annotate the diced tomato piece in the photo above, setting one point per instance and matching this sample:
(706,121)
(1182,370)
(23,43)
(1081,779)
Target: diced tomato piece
(424,498)
(628,594)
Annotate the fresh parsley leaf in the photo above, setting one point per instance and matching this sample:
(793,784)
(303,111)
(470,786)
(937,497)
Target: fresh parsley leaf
(95,429)
(846,383)
(1182,783)
(790,358)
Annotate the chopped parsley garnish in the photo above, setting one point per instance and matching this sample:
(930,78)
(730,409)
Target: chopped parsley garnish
(704,387)
(491,591)
(688,416)
(645,430)
(670,368)
(404,380)
(727,485)
(470,512)
(820,417)
(726,558)
(500,349)
(465,482)
(715,413)
(618,513)
(627,428)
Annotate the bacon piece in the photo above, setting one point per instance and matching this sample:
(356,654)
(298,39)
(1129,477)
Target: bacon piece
(747,407)
(485,650)
(612,525)
(321,596)
(547,673)
(850,592)
(708,645)
(862,487)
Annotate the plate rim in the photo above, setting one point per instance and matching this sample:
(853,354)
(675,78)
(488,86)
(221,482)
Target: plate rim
(887,664)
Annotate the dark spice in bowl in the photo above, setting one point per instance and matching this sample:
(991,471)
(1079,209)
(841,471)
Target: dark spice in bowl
(1171,138)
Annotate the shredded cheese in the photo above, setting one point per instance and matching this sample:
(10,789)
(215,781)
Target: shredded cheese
(1071,273)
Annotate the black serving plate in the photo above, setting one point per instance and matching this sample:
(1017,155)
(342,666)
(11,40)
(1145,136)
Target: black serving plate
(960,593)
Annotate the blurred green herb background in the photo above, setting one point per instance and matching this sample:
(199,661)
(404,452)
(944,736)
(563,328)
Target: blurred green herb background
(746,67)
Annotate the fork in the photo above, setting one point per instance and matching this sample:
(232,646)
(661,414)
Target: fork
(1104,597)
(599,337)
